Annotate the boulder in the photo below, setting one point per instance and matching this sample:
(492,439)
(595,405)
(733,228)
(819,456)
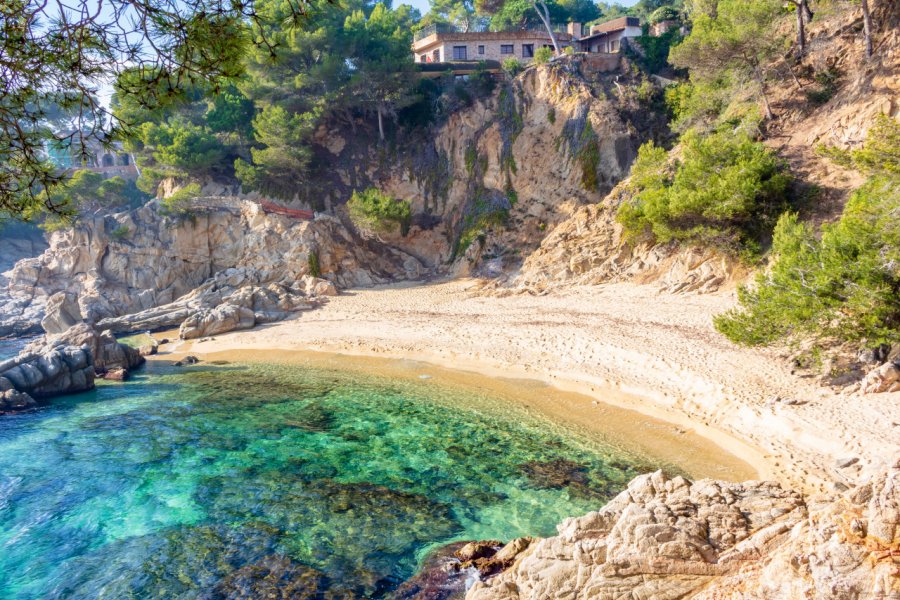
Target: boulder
(61,313)
(885,378)
(222,319)
(45,370)
(116,374)
(105,349)
(14,401)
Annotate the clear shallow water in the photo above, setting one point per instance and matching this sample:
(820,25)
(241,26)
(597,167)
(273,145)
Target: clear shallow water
(163,486)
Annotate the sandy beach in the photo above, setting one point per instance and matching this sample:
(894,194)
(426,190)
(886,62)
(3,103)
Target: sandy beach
(623,345)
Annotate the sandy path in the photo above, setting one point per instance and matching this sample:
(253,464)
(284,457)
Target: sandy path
(623,337)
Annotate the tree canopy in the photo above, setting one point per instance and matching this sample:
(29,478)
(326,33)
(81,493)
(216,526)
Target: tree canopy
(56,58)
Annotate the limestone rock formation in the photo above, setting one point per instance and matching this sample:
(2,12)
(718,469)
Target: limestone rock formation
(47,371)
(670,538)
(61,313)
(63,364)
(588,249)
(885,378)
(168,269)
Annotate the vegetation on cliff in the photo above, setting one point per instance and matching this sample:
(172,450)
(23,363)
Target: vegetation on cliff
(842,285)
(373,209)
(725,190)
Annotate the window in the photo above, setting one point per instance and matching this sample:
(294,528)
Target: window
(436,56)
(423,58)
(527,50)
(480,49)
(506,49)
(614,46)
(459,53)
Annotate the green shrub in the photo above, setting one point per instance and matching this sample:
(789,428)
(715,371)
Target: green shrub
(726,191)
(512,66)
(543,55)
(880,156)
(569,51)
(120,233)
(375,210)
(179,203)
(844,286)
(551,115)
(312,261)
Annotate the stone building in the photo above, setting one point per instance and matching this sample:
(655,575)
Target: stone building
(443,44)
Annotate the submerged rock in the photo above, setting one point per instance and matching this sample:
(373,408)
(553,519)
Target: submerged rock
(277,577)
(440,577)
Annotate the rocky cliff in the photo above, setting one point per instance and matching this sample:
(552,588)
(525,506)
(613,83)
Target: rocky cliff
(143,269)
(668,538)
(488,183)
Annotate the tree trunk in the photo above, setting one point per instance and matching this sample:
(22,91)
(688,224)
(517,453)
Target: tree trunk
(801,28)
(765,99)
(762,92)
(867,27)
(380,125)
(545,18)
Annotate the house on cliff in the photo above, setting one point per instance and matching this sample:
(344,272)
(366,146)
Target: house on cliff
(443,43)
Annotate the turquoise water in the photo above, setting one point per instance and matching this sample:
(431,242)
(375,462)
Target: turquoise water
(163,486)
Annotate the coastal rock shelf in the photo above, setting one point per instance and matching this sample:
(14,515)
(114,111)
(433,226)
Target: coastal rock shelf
(63,364)
(669,538)
(169,270)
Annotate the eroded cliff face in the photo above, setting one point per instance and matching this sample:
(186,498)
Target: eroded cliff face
(487,185)
(138,261)
(667,538)
(588,249)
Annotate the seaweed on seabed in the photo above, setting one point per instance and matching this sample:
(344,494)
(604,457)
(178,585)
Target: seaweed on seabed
(581,144)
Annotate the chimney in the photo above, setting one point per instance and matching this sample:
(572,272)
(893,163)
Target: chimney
(574,30)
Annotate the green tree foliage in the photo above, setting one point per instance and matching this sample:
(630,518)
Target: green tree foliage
(372,209)
(462,14)
(182,146)
(845,284)
(230,111)
(734,46)
(663,13)
(282,160)
(85,191)
(656,49)
(383,76)
(726,190)
(543,55)
(56,55)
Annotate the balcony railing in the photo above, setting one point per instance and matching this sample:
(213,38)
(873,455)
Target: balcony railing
(478,28)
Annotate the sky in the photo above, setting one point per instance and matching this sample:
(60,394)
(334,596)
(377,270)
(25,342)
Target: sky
(423,5)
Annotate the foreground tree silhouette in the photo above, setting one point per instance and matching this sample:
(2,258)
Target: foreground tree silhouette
(55,58)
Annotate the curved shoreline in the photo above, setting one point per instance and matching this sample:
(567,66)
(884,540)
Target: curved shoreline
(699,452)
(627,345)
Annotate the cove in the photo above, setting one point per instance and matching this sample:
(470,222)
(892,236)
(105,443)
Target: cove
(166,486)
